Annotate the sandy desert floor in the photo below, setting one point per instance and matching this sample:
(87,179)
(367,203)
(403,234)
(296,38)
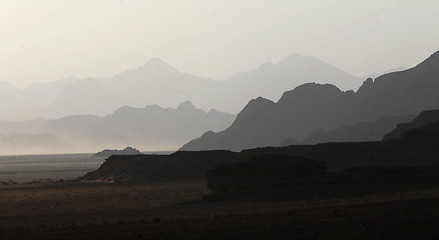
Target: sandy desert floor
(71,210)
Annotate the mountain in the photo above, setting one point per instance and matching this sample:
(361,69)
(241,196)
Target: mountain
(359,132)
(45,93)
(110,152)
(264,123)
(156,82)
(425,118)
(17,108)
(23,104)
(415,153)
(375,75)
(148,128)
(21,127)
(85,96)
(271,80)
(7,89)
(159,83)
(312,107)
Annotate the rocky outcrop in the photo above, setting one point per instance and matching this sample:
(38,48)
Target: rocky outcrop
(108,152)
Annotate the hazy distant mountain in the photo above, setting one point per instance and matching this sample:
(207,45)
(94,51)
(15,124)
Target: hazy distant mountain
(375,75)
(270,81)
(46,93)
(313,107)
(17,108)
(359,132)
(7,89)
(21,127)
(86,96)
(148,128)
(23,104)
(156,82)
(159,83)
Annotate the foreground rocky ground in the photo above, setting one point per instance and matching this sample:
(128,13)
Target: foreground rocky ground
(175,210)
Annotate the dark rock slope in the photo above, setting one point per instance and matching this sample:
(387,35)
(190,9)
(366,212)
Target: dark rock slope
(359,132)
(312,107)
(423,119)
(417,147)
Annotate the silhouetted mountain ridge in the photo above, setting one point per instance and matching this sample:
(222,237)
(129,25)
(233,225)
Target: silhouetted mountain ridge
(359,132)
(156,82)
(425,118)
(363,163)
(311,107)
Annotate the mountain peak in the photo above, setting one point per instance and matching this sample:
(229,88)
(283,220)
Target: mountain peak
(266,66)
(187,106)
(158,65)
(296,57)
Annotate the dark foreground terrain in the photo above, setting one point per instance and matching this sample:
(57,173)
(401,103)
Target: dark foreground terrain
(371,190)
(174,210)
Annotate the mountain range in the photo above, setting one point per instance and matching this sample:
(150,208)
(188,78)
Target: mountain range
(156,82)
(151,128)
(358,132)
(312,107)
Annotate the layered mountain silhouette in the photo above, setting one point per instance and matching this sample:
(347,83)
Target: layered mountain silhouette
(424,119)
(85,96)
(271,80)
(359,132)
(156,82)
(312,107)
(149,128)
(31,102)
(351,166)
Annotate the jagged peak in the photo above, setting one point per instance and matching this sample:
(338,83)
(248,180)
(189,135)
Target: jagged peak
(255,104)
(366,85)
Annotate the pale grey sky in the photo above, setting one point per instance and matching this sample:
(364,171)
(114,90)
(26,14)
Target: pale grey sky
(46,40)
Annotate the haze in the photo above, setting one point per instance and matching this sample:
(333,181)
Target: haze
(44,40)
